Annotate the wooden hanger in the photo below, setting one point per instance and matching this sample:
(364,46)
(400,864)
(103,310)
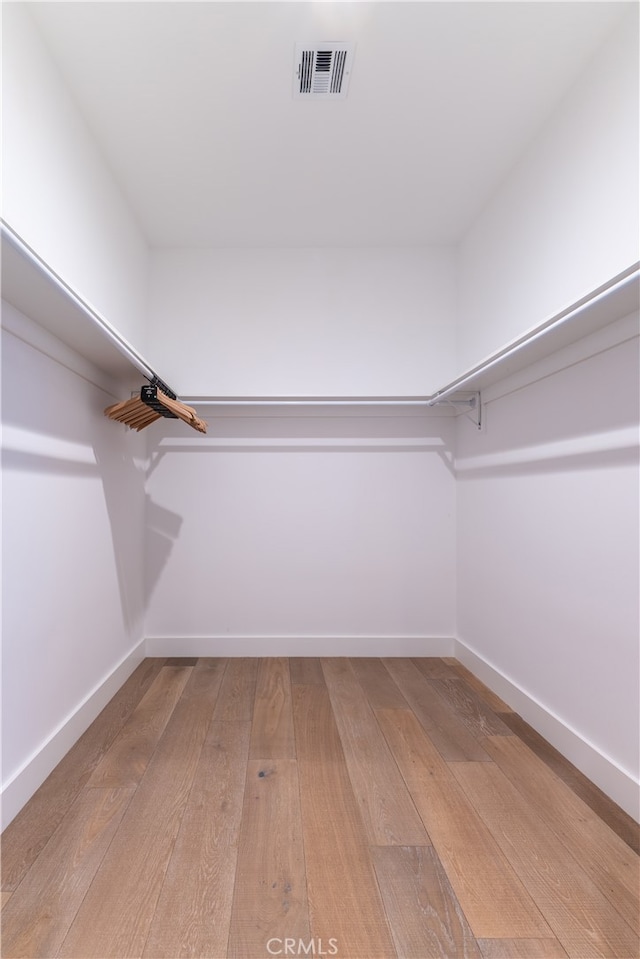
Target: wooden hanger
(152,404)
(182,411)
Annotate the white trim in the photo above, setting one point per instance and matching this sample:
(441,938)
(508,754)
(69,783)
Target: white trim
(619,784)
(599,768)
(23,784)
(299,646)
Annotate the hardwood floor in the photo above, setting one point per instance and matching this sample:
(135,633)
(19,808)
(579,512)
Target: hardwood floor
(356,808)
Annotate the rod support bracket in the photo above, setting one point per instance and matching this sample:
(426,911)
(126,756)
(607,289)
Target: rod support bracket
(466,402)
(475,410)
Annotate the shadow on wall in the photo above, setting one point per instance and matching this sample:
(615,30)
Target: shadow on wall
(54,428)
(580,417)
(620,450)
(161,531)
(108,459)
(142,533)
(73,534)
(34,462)
(120,466)
(244,436)
(287,433)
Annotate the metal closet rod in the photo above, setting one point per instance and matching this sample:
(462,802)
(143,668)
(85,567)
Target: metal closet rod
(462,384)
(307,401)
(572,312)
(92,315)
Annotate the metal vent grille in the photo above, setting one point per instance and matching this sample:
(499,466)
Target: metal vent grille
(322,71)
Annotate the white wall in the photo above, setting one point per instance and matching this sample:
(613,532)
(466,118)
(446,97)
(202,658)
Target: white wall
(548,552)
(72,581)
(73,490)
(303,535)
(304,322)
(566,219)
(58,195)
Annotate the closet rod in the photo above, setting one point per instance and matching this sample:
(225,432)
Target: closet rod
(467,382)
(103,325)
(617,284)
(308,401)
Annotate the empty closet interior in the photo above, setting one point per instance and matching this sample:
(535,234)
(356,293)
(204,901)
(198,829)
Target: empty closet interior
(396,331)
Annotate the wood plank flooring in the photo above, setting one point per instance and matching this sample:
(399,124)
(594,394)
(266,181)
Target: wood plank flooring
(355,808)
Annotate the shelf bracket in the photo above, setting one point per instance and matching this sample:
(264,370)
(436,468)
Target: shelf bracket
(468,403)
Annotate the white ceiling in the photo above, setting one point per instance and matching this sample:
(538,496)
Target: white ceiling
(192,106)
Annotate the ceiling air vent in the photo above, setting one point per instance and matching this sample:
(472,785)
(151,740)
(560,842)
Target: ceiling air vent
(322,70)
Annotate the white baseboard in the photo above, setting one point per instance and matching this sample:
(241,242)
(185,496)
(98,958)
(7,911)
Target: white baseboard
(23,784)
(600,769)
(299,646)
(616,782)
